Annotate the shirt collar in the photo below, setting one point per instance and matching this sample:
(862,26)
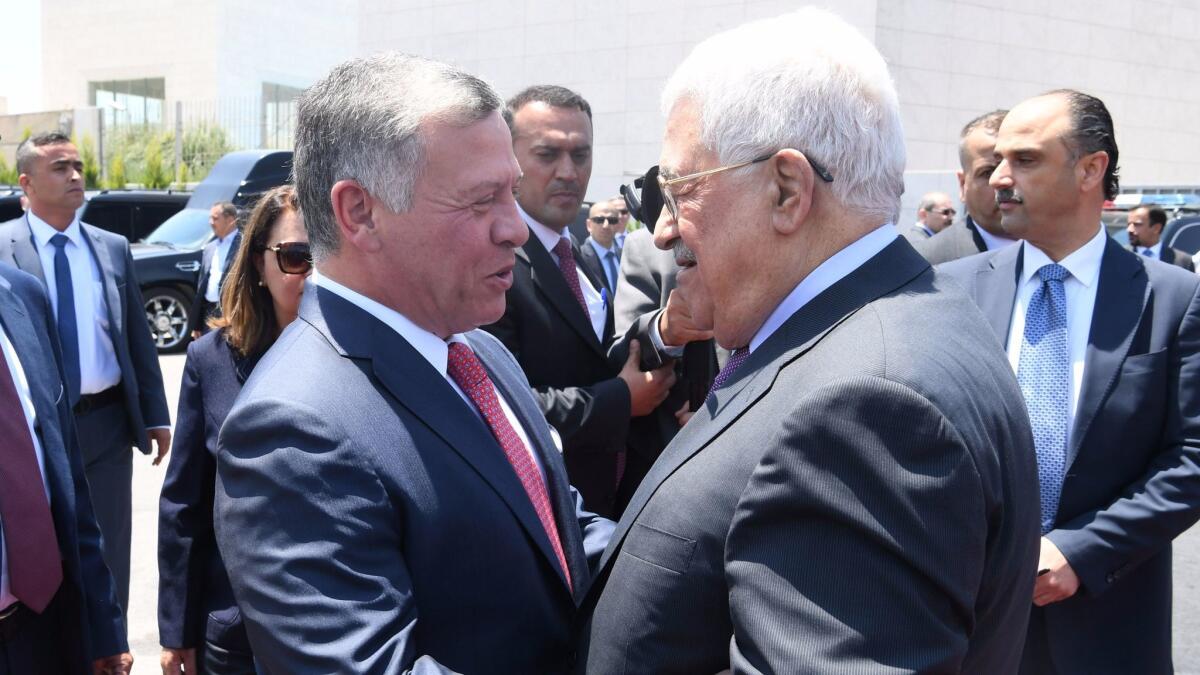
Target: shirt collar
(434,349)
(544,234)
(926,229)
(1155,250)
(828,273)
(224,241)
(43,231)
(1083,263)
(600,248)
(991,241)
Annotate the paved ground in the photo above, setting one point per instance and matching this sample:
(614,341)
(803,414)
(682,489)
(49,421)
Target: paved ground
(143,621)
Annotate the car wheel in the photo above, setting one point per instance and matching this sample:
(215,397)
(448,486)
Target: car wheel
(167,314)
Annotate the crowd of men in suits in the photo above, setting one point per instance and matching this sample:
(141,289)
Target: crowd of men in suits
(760,434)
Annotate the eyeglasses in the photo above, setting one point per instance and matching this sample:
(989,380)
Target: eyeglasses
(293,257)
(600,220)
(949,213)
(668,197)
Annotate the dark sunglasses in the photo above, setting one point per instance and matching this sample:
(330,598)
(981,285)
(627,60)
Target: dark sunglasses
(949,213)
(600,220)
(293,257)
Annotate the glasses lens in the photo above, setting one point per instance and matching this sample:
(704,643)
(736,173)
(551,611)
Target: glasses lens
(294,257)
(668,199)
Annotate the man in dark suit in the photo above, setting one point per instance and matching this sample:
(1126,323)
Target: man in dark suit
(856,494)
(599,254)
(1145,228)
(389,497)
(558,318)
(110,362)
(979,230)
(934,214)
(58,613)
(1105,347)
(218,254)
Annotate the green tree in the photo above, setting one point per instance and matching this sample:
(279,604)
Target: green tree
(116,172)
(91,166)
(154,176)
(8,175)
(181,181)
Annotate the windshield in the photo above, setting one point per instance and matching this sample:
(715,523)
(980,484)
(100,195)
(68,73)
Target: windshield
(187,229)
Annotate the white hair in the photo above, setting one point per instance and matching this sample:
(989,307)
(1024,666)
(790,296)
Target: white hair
(807,81)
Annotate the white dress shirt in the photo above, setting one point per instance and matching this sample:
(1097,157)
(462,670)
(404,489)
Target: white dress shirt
(828,273)
(603,254)
(1080,289)
(991,241)
(17,373)
(212,292)
(98,367)
(434,349)
(1155,250)
(596,300)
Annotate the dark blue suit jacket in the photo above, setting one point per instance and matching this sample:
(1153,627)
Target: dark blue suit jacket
(87,591)
(195,601)
(141,379)
(369,521)
(1133,473)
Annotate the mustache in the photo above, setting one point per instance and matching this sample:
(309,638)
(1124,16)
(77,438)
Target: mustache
(564,186)
(1008,195)
(682,252)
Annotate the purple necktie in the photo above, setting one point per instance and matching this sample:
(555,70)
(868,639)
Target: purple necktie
(736,359)
(566,263)
(34,563)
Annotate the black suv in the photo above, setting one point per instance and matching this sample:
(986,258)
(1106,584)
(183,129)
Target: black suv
(10,203)
(133,214)
(168,259)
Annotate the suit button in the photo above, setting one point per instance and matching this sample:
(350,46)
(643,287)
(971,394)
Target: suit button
(1111,578)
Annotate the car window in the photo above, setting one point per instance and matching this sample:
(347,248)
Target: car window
(146,217)
(187,229)
(107,216)
(1187,238)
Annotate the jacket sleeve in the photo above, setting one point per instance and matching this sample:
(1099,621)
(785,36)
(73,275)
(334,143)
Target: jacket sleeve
(185,527)
(151,395)
(832,534)
(313,546)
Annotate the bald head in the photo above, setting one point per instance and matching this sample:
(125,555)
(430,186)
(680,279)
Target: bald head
(935,211)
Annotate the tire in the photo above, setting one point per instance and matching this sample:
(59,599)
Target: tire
(167,315)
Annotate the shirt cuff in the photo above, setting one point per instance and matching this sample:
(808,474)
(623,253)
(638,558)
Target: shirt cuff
(657,341)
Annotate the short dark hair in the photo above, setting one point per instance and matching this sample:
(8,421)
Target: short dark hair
(989,121)
(550,94)
(1092,131)
(227,209)
(26,152)
(1157,215)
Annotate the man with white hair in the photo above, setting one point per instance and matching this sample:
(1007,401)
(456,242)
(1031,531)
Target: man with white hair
(389,498)
(858,493)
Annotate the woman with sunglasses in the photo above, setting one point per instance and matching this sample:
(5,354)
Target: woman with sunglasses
(200,626)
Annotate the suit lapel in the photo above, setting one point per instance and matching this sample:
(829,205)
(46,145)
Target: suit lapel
(890,269)
(108,278)
(976,239)
(415,385)
(548,278)
(996,289)
(1121,299)
(25,253)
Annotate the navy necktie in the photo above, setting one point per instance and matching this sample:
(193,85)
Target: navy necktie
(68,331)
(1044,373)
(610,264)
(1147,252)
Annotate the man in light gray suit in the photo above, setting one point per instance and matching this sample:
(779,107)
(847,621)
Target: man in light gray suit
(858,492)
(389,498)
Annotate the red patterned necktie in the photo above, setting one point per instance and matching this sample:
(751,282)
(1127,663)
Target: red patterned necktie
(34,562)
(566,264)
(466,371)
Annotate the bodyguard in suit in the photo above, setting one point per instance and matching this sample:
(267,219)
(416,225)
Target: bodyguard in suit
(856,494)
(389,498)
(109,359)
(58,612)
(934,214)
(558,317)
(979,230)
(1104,344)
(1145,228)
(600,254)
(218,254)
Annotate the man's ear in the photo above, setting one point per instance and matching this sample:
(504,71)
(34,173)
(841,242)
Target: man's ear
(1091,169)
(794,185)
(962,186)
(355,210)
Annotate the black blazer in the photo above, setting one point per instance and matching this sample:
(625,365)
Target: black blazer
(960,240)
(201,307)
(195,601)
(1132,483)
(594,266)
(87,594)
(141,379)
(570,369)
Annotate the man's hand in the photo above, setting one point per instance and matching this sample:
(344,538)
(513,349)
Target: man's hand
(684,414)
(1060,582)
(172,660)
(117,664)
(162,438)
(646,390)
(677,325)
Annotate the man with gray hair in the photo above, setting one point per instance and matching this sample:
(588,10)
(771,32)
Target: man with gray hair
(389,498)
(858,492)
(934,214)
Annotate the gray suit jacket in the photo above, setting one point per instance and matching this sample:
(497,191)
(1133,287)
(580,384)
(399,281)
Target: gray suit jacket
(914,233)
(960,240)
(141,378)
(1132,482)
(861,496)
(369,521)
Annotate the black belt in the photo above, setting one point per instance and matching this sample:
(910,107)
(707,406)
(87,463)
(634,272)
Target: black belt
(90,402)
(12,619)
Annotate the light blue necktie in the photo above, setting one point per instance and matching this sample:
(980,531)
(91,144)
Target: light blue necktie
(1044,373)
(1147,252)
(68,332)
